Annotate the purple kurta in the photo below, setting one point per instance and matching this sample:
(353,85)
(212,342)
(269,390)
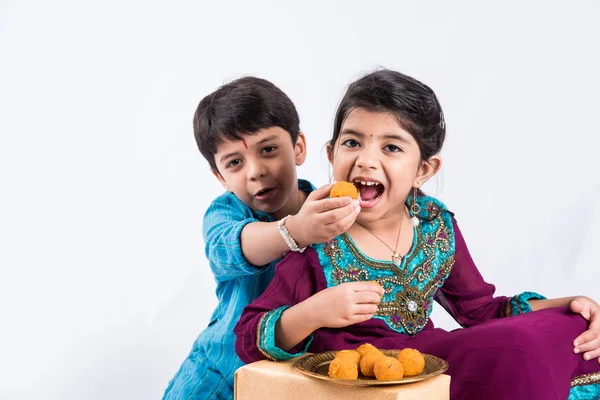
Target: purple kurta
(497,356)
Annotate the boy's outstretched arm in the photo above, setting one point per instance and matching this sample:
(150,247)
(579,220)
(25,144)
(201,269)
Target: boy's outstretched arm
(222,227)
(320,219)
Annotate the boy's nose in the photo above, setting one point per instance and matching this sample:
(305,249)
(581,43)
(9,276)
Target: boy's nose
(256,171)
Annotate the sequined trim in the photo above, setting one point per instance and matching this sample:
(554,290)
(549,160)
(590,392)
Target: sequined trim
(512,307)
(261,336)
(508,310)
(588,379)
(411,307)
(410,286)
(519,304)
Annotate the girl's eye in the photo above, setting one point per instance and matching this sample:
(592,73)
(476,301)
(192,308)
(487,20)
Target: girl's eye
(269,149)
(233,163)
(392,148)
(350,143)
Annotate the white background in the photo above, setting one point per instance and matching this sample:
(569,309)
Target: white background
(104,285)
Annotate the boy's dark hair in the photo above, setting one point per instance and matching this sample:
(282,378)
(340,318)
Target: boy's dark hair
(242,107)
(412,102)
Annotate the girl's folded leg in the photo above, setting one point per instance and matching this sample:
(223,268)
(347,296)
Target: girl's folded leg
(529,356)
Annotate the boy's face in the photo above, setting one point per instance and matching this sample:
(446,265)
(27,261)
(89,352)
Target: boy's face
(261,169)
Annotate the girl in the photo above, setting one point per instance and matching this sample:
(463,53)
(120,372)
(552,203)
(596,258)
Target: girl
(389,129)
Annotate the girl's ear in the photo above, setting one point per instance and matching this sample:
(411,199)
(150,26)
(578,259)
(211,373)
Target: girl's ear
(329,150)
(427,169)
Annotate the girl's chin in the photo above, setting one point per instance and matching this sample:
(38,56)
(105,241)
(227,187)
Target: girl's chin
(368,216)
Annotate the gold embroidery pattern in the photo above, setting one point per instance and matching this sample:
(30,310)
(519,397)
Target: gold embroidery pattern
(438,240)
(513,307)
(508,310)
(411,306)
(261,335)
(433,210)
(340,275)
(519,309)
(588,379)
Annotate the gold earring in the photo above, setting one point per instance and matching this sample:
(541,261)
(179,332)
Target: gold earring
(415,208)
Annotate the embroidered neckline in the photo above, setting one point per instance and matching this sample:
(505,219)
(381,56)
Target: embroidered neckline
(364,258)
(409,287)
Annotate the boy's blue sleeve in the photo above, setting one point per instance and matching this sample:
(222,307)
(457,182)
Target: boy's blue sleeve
(222,228)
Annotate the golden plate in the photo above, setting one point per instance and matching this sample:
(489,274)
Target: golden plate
(317,366)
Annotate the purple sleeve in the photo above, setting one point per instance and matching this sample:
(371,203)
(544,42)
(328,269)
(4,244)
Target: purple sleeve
(464,294)
(296,279)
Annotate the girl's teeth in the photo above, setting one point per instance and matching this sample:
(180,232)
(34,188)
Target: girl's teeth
(369,183)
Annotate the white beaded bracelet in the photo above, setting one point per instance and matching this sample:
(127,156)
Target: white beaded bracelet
(285,234)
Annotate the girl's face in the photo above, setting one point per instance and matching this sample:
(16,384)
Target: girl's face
(381,158)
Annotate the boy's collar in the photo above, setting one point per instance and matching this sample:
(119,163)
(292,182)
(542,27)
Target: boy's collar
(305,186)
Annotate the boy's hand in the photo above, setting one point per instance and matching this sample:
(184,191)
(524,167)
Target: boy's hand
(343,305)
(588,342)
(321,219)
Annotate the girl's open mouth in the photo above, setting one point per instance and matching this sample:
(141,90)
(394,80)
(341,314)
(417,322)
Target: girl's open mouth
(369,191)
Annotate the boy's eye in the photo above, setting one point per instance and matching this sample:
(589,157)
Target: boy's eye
(268,149)
(350,143)
(233,163)
(392,148)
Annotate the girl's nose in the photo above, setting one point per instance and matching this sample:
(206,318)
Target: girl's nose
(367,159)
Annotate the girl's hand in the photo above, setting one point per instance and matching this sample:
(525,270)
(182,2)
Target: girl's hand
(588,342)
(345,304)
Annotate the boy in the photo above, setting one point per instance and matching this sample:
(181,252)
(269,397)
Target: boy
(249,132)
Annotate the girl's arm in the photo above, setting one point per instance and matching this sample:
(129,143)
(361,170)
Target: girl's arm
(469,298)
(335,307)
(279,324)
(295,280)
(560,302)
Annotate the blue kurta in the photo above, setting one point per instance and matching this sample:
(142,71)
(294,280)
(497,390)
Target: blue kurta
(207,372)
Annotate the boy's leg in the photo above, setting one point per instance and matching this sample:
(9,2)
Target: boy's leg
(198,379)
